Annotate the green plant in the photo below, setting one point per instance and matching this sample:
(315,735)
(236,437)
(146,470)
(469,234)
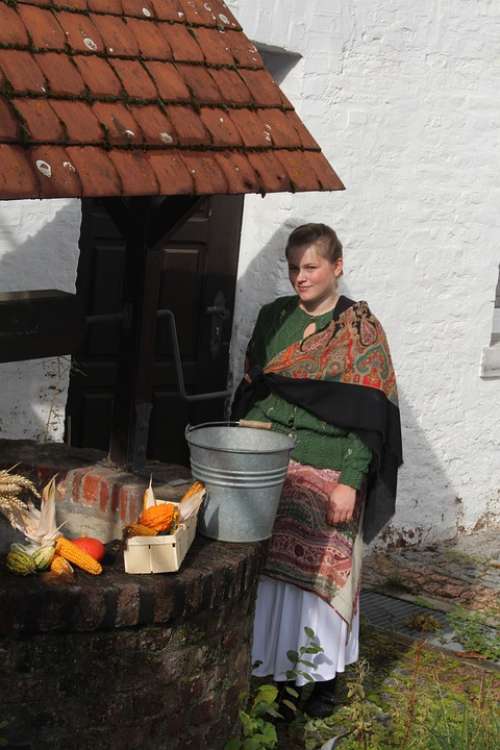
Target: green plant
(258,732)
(473,633)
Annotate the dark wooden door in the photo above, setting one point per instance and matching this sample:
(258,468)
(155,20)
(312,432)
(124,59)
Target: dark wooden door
(197,269)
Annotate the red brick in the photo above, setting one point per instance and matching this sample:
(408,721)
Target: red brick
(207,175)
(306,138)
(104,496)
(135,173)
(243,50)
(220,127)
(62,180)
(167,11)
(327,177)
(61,74)
(169,83)
(80,32)
(135,79)
(182,43)
(115,498)
(171,172)
(98,75)
(91,488)
(231,86)
(9,125)
(212,43)
(283,134)
(17,179)
(200,83)
(262,87)
(41,122)
(272,177)
(188,126)
(156,127)
(43,27)
(240,176)
(81,123)
(96,171)
(21,71)
(123,504)
(76,484)
(251,128)
(151,42)
(300,173)
(120,126)
(12,30)
(117,37)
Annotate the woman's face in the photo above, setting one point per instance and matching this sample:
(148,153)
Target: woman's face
(313,276)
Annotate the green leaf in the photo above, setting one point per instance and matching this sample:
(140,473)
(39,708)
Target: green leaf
(252,743)
(292,692)
(266,694)
(290,705)
(257,663)
(292,656)
(232,745)
(291,674)
(307,676)
(309,632)
(313,650)
(307,663)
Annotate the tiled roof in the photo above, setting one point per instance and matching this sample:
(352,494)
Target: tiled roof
(143,97)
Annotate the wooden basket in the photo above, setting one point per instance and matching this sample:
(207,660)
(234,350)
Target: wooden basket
(159,554)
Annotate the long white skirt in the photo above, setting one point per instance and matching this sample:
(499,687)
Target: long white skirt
(282,612)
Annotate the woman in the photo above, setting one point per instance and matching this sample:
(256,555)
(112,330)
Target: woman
(318,367)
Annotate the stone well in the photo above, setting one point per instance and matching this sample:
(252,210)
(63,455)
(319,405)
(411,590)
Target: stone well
(119,662)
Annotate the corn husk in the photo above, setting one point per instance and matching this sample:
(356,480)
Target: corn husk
(148,499)
(37,525)
(191,501)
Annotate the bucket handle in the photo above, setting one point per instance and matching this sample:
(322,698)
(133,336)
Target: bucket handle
(241,423)
(255,425)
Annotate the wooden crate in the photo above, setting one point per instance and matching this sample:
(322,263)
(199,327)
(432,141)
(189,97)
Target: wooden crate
(159,554)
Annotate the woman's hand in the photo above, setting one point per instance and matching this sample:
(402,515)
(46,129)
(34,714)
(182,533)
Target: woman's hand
(341,505)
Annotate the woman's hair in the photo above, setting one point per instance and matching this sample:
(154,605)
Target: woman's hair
(329,245)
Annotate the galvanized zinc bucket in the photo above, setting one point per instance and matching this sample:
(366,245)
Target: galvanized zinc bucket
(243,469)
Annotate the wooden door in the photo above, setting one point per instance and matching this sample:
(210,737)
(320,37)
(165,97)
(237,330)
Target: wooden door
(197,268)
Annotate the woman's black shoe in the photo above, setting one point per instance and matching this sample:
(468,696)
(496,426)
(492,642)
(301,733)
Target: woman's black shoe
(323,699)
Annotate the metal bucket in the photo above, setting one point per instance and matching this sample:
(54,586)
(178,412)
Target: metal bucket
(243,469)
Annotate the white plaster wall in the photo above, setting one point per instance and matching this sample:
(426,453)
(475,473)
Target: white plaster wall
(38,250)
(403,98)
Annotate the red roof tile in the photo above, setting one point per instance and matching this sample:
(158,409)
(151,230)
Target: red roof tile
(96,171)
(17,178)
(182,43)
(156,128)
(207,175)
(171,172)
(143,96)
(9,123)
(135,172)
(169,83)
(81,34)
(121,127)
(214,46)
(99,76)
(200,83)
(116,34)
(12,29)
(188,126)
(220,127)
(20,71)
(40,122)
(152,43)
(135,79)
(57,176)
(80,122)
(61,73)
(43,27)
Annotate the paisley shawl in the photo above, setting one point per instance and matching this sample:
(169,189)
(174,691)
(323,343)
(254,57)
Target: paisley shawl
(343,374)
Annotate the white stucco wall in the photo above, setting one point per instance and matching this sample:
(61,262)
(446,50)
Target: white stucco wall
(403,98)
(38,250)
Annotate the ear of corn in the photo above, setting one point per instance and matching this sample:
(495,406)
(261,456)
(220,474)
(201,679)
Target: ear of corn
(137,529)
(160,517)
(77,556)
(60,566)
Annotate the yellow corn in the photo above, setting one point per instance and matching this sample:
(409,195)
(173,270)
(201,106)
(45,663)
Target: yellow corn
(77,556)
(59,565)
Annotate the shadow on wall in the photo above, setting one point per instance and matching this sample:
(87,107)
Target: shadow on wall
(34,392)
(428,507)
